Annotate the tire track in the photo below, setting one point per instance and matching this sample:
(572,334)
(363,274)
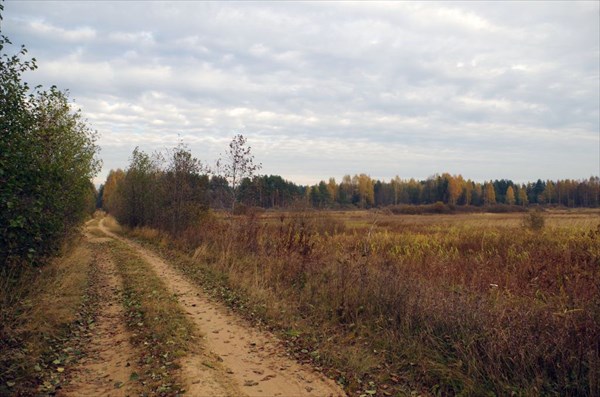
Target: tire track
(109,365)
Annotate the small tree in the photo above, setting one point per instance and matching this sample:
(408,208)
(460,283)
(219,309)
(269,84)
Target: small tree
(138,192)
(510,196)
(237,164)
(185,189)
(110,194)
(523,196)
(489,194)
(454,189)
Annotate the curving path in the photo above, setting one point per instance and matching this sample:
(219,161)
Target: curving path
(250,362)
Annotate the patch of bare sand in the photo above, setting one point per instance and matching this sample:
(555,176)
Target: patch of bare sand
(107,368)
(253,360)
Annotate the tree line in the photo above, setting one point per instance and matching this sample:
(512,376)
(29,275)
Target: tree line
(172,191)
(364,192)
(167,193)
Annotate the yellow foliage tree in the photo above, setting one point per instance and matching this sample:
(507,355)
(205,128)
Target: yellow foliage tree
(510,196)
(489,194)
(468,192)
(110,188)
(523,196)
(454,188)
(366,190)
(549,192)
(332,187)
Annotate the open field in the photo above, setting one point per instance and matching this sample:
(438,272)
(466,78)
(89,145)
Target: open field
(386,305)
(432,304)
(584,218)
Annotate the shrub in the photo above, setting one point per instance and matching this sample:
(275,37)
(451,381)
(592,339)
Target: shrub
(534,220)
(440,208)
(504,208)
(240,209)
(47,159)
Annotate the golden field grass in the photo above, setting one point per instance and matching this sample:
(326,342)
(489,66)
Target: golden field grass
(468,304)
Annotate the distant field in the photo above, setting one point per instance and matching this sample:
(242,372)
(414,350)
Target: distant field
(463,303)
(380,219)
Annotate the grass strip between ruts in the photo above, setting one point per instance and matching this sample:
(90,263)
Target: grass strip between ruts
(160,330)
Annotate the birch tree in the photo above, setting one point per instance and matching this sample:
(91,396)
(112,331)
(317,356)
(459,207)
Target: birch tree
(236,164)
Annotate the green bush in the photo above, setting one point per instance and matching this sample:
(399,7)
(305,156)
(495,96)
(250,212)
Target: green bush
(47,159)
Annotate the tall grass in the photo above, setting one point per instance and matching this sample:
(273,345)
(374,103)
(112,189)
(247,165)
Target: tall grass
(474,305)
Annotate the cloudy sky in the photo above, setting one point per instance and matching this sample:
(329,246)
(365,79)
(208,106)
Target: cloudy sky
(489,90)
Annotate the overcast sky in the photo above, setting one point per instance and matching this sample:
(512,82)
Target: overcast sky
(489,90)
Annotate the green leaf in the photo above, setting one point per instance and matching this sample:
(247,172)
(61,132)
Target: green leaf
(293,333)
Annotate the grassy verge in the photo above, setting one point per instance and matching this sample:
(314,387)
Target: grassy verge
(160,329)
(46,319)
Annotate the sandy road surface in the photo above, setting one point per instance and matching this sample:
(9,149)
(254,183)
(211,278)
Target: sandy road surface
(110,360)
(250,362)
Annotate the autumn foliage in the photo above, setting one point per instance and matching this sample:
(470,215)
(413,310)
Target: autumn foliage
(362,191)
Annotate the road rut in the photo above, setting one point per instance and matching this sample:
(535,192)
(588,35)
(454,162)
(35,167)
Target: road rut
(110,360)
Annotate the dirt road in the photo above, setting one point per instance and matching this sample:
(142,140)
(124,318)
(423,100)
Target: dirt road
(248,362)
(110,361)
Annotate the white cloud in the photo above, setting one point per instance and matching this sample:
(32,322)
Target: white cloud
(132,38)
(81,34)
(332,88)
(460,18)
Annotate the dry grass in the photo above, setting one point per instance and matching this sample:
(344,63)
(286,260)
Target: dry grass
(112,225)
(95,220)
(452,304)
(62,293)
(39,314)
